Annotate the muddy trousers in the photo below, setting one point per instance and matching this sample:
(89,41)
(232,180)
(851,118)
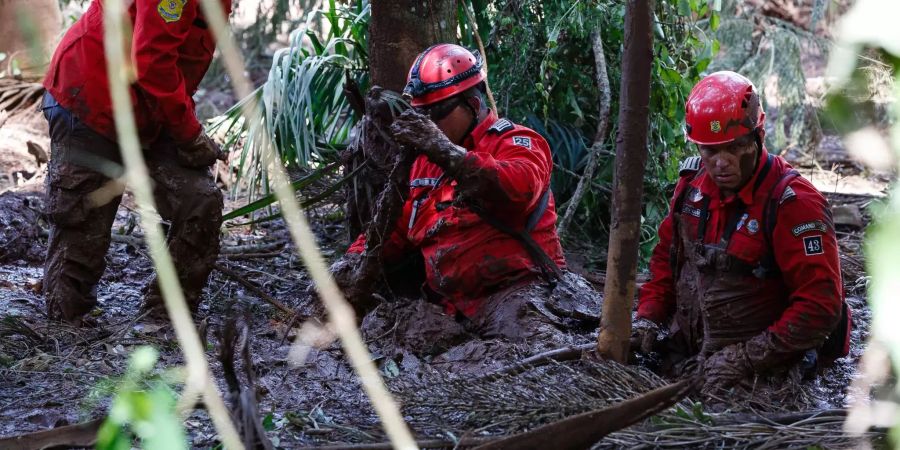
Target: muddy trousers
(82,200)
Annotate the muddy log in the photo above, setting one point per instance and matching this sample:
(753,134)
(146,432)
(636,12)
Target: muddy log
(631,159)
(393,192)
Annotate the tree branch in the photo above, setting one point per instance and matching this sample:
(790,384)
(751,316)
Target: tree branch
(594,155)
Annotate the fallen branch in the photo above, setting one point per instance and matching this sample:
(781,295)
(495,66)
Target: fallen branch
(428,443)
(557,355)
(599,137)
(583,430)
(78,435)
(779,419)
(253,288)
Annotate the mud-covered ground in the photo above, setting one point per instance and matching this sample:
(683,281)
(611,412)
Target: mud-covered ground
(52,375)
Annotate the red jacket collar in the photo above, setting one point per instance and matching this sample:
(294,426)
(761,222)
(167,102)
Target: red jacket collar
(471,141)
(708,187)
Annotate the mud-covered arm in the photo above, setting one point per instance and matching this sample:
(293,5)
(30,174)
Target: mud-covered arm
(807,254)
(508,182)
(396,245)
(159,31)
(656,299)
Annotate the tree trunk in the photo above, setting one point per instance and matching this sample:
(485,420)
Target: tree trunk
(398,32)
(631,159)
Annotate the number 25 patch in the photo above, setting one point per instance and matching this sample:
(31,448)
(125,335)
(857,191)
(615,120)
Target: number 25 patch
(812,245)
(522,140)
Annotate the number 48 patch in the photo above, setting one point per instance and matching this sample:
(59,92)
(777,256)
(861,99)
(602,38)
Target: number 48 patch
(812,245)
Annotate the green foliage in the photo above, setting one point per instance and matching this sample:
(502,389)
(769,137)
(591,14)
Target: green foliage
(541,68)
(303,109)
(143,407)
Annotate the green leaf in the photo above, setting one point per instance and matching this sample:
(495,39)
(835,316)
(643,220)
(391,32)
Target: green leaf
(684,8)
(268,422)
(269,199)
(714,21)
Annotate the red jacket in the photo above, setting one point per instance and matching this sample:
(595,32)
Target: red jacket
(467,259)
(171,49)
(803,244)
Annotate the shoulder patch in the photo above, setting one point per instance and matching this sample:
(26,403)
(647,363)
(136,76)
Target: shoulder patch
(689,166)
(815,225)
(501,126)
(524,141)
(787,195)
(171,10)
(812,245)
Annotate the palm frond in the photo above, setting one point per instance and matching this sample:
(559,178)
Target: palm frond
(302,106)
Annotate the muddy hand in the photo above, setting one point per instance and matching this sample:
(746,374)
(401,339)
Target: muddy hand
(199,153)
(643,335)
(418,131)
(726,368)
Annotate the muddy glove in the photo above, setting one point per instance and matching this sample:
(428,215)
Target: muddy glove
(344,270)
(726,367)
(417,131)
(643,335)
(199,153)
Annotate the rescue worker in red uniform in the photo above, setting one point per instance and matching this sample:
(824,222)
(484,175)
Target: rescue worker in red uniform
(171,49)
(746,276)
(479,209)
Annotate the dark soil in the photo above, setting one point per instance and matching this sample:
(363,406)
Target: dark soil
(52,375)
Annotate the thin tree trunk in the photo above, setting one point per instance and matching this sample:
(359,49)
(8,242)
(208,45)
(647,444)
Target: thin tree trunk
(599,137)
(631,159)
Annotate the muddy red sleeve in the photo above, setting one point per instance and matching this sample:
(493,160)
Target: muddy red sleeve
(160,28)
(807,254)
(397,245)
(656,299)
(510,179)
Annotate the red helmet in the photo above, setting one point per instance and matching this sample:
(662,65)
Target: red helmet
(442,71)
(722,107)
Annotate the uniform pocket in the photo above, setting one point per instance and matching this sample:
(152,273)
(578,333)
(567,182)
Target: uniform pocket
(68,187)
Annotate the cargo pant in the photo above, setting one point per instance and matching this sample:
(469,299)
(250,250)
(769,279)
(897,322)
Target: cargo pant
(82,164)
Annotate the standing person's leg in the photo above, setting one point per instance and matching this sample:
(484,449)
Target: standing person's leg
(190,200)
(81,207)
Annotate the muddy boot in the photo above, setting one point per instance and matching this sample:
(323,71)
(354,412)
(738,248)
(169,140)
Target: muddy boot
(190,200)
(79,225)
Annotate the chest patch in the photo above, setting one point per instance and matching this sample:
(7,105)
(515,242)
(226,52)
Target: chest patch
(171,10)
(812,245)
(522,141)
(815,225)
(690,210)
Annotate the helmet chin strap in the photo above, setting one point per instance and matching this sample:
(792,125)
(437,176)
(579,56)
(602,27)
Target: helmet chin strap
(474,122)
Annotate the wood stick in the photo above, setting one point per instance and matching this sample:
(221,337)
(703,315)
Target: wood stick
(583,430)
(78,435)
(559,354)
(253,288)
